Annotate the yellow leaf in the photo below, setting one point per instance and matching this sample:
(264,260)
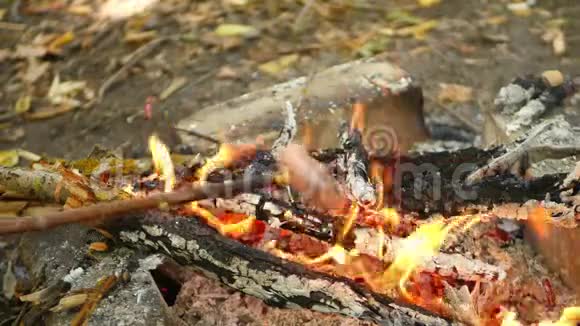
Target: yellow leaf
(140,37)
(9,158)
(418,31)
(236,30)
(279,65)
(521,9)
(428,3)
(56,45)
(81,10)
(22,104)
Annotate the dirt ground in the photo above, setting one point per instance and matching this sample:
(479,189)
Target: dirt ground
(480,44)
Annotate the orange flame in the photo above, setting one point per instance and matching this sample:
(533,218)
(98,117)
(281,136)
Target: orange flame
(538,221)
(162,162)
(376,172)
(352,215)
(227,155)
(416,249)
(420,246)
(358,117)
(231,229)
(391,219)
(509,318)
(570,317)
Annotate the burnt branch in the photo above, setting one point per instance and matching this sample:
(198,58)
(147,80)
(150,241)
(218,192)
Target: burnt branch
(356,165)
(113,209)
(257,273)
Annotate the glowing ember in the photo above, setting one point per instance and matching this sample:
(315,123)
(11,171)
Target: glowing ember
(358,117)
(234,230)
(391,217)
(162,162)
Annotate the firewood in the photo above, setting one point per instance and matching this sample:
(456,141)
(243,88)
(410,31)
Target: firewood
(356,166)
(392,97)
(113,209)
(277,282)
(275,213)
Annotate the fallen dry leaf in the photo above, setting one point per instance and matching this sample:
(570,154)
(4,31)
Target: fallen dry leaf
(81,10)
(495,20)
(121,9)
(227,72)
(140,37)
(236,30)
(454,93)
(175,85)
(34,70)
(30,51)
(22,104)
(418,31)
(279,65)
(521,9)
(556,37)
(9,158)
(428,3)
(64,92)
(48,112)
(55,46)
(9,281)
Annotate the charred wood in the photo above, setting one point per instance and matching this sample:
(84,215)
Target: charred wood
(257,273)
(356,165)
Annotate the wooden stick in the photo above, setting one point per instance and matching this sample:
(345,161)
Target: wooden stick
(135,57)
(109,210)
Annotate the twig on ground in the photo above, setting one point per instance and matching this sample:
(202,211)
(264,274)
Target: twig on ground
(108,210)
(199,135)
(135,57)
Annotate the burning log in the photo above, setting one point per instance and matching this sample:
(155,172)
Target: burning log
(275,212)
(320,263)
(277,282)
(520,109)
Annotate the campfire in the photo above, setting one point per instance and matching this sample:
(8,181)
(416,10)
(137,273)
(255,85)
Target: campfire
(390,236)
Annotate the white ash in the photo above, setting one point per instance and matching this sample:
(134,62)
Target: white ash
(525,116)
(73,275)
(151,262)
(510,98)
